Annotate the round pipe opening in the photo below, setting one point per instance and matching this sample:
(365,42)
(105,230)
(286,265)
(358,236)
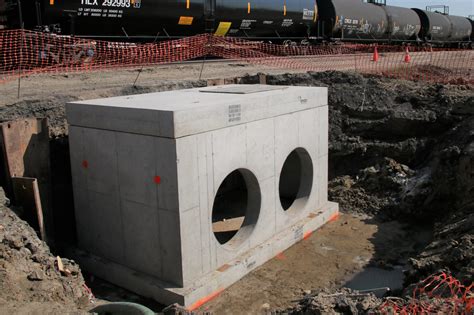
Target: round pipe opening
(296,180)
(236,208)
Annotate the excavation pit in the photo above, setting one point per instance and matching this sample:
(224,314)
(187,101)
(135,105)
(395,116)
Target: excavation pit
(179,194)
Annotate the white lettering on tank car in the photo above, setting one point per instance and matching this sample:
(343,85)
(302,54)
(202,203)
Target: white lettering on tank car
(246,24)
(308,14)
(116,3)
(109,3)
(287,23)
(89,2)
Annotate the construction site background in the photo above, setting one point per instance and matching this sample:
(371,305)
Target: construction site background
(24,53)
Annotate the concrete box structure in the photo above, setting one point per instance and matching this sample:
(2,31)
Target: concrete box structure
(179,194)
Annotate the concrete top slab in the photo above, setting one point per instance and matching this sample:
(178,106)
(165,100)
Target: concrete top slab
(243,89)
(180,113)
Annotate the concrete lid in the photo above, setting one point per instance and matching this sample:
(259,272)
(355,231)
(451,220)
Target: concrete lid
(179,113)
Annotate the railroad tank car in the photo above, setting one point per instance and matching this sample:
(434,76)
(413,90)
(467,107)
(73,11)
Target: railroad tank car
(143,19)
(125,18)
(435,27)
(461,28)
(403,24)
(352,20)
(265,19)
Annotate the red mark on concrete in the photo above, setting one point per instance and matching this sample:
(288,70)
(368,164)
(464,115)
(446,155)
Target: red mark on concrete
(157,179)
(334,217)
(307,235)
(280,256)
(204,300)
(85,164)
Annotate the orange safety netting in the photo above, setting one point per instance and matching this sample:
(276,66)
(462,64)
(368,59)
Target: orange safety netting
(25,52)
(437,294)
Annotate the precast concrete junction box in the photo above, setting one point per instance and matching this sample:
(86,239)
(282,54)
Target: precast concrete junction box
(179,194)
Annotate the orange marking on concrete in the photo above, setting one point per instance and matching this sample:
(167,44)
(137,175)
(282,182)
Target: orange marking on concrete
(334,217)
(248,7)
(188,4)
(204,300)
(280,256)
(307,235)
(223,268)
(51,2)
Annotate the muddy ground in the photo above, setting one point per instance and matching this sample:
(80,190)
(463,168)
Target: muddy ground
(401,167)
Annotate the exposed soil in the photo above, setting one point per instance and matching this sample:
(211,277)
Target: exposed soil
(401,168)
(30,279)
(328,259)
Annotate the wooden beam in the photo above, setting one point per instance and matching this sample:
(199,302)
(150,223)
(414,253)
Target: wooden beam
(27,194)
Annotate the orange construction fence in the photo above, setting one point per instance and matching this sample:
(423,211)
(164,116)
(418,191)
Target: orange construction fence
(438,294)
(25,52)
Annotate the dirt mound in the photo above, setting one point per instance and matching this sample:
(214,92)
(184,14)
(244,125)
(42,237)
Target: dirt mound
(403,150)
(439,293)
(343,301)
(373,190)
(452,249)
(29,277)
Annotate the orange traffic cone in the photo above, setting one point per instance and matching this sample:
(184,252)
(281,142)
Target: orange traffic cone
(407,55)
(376,55)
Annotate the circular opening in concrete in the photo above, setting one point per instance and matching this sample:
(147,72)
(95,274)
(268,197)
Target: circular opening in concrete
(236,208)
(296,180)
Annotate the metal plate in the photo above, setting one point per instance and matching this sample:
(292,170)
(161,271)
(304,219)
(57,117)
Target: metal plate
(243,89)
(24,151)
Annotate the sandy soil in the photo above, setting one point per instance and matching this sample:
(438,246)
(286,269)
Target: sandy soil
(328,259)
(115,82)
(110,82)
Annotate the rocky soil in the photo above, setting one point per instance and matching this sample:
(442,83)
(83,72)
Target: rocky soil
(343,301)
(30,278)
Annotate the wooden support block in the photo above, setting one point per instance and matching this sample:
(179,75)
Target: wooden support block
(229,225)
